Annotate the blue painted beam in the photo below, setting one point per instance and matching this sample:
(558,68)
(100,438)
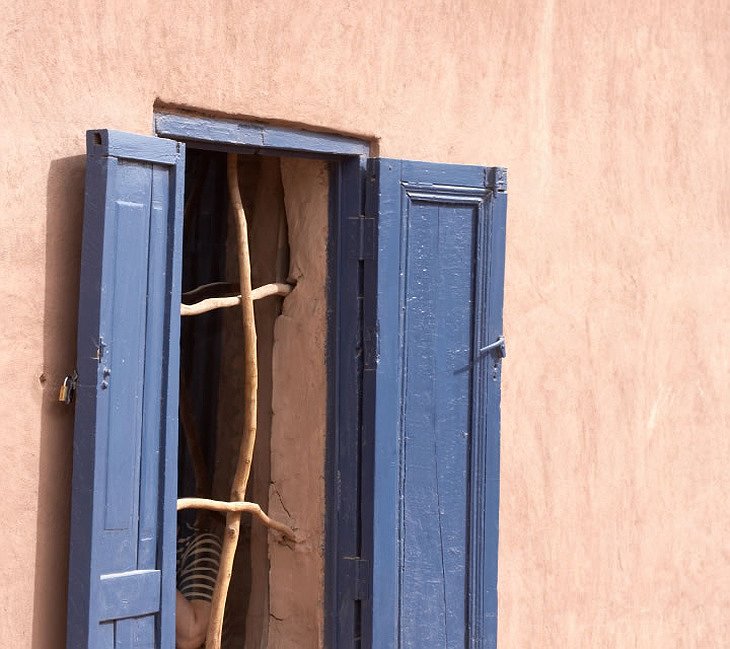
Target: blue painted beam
(256,136)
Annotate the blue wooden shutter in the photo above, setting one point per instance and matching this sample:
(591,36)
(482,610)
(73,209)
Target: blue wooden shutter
(440,274)
(122,550)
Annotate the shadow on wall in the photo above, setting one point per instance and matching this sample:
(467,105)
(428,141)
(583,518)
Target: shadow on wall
(64,215)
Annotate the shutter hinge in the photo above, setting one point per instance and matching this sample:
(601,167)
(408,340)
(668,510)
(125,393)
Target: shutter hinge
(367,238)
(100,348)
(360,577)
(497,179)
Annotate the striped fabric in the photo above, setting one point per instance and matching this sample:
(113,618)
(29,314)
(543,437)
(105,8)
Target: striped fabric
(198,558)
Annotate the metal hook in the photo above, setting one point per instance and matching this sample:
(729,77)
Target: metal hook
(499,344)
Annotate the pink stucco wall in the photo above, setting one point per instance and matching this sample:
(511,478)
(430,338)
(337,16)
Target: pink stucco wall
(612,118)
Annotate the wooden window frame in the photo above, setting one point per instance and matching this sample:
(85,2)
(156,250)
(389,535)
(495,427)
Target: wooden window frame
(347,512)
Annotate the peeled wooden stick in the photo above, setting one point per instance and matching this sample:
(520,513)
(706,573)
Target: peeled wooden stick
(248,439)
(243,506)
(213,303)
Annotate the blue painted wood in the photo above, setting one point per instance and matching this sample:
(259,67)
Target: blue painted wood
(435,483)
(129,594)
(484,539)
(468,177)
(122,551)
(130,146)
(257,136)
(344,517)
(169,433)
(383,203)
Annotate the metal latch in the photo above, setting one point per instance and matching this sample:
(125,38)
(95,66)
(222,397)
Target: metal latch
(68,388)
(499,345)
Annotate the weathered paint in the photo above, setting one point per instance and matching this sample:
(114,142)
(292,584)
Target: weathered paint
(123,528)
(347,514)
(440,268)
(231,133)
(612,118)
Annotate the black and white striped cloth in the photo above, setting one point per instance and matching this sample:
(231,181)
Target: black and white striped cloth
(198,558)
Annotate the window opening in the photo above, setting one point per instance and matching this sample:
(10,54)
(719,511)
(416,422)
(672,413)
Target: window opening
(236,276)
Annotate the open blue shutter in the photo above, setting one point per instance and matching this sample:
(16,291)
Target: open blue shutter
(122,549)
(440,274)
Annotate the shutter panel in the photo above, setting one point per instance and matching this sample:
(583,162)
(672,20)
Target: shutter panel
(123,520)
(440,273)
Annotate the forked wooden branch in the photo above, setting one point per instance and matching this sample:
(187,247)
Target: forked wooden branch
(248,439)
(213,303)
(241,507)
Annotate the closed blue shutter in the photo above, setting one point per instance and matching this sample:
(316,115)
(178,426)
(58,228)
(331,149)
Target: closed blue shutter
(440,274)
(122,550)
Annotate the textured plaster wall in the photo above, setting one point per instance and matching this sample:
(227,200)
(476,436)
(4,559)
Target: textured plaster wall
(612,118)
(296,496)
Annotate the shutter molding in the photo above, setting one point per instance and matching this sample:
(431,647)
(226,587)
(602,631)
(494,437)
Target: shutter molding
(122,539)
(439,293)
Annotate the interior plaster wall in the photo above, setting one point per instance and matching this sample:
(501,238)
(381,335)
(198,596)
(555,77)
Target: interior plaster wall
(612,118)
(299,421)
